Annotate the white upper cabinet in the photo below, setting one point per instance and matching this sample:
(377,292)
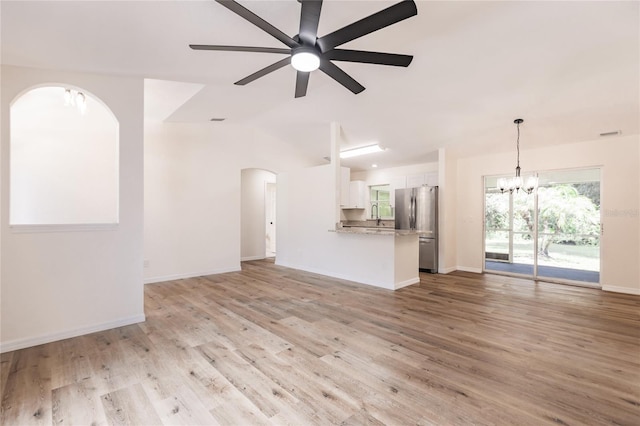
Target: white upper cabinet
(357,194)
(415,181)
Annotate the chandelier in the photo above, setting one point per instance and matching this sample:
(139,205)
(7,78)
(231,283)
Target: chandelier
(516,183)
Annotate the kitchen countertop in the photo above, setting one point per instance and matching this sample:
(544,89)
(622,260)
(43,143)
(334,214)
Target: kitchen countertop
(373,231)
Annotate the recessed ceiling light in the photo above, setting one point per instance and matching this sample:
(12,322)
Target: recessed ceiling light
(368,149)
(374,166)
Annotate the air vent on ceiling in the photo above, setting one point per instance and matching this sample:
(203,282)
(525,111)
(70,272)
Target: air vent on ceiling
(612,133)
(217,119)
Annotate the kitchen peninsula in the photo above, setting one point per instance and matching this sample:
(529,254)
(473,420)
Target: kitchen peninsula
(392,253)
(308,238)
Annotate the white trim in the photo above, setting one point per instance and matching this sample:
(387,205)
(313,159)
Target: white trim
(618,289)
(13,345)
(69,227)
(414,280)
(469,269)
(172,277)
(447,270)
(242,259)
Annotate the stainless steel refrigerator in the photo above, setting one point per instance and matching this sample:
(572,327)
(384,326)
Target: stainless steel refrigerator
(417,209)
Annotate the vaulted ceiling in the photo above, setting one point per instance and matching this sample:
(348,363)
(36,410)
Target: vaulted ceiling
(570,69)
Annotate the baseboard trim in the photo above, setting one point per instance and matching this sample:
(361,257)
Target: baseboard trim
(243,259)
(625,290)
(13,345)
(447,270)
(469,269)
(171,277)
(405,283)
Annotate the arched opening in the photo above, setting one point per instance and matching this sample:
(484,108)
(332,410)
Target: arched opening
(64,164)
(258,214)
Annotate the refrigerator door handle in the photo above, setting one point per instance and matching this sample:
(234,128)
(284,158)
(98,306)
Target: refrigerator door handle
(415,211)
(411,211)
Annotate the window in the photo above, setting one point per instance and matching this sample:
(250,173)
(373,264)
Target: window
(380,202)
(63,159)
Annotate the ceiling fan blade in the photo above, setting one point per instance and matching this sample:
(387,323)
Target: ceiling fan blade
(238,9)
(302,81)
(264,71)
(309,18)
(369,57)
(389,16)
(340,76)
(240,48)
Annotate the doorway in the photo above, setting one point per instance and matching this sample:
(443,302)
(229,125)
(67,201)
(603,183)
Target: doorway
(552,234)
(257,221)
(270,219)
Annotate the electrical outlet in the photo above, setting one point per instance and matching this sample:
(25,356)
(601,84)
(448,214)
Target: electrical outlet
(146,263)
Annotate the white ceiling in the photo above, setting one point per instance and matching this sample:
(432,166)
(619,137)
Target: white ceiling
(570,69)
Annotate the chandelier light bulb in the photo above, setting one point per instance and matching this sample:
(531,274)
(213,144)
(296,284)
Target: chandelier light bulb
(532,184)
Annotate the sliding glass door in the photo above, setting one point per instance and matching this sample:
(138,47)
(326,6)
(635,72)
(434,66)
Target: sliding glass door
(509,242)
(553,233)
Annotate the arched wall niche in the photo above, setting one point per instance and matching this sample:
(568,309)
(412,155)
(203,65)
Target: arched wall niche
(64,163)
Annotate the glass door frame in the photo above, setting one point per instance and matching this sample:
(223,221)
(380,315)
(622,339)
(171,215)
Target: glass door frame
(534,276)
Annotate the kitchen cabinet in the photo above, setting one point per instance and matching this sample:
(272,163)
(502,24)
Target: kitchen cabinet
(397,182)
(416,181)
(357,194)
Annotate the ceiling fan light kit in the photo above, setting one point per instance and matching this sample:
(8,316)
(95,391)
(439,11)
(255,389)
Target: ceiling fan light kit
(305,59)
(307,52)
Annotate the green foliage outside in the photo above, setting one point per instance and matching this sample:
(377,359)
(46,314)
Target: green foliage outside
(568,214)
(380,202)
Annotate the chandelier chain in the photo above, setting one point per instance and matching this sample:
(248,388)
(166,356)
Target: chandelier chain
(518,144)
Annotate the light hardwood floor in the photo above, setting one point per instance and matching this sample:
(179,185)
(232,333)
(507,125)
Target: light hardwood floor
(271,345)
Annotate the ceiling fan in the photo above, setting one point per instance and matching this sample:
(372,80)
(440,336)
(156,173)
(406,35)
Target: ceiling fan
(307,52)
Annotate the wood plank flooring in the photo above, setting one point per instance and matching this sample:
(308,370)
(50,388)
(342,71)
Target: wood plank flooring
(271,345)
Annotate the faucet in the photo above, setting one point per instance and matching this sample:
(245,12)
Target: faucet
(377,215)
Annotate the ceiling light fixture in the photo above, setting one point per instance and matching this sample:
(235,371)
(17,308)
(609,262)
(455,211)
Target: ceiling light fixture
(354,152)
(374,166)
(516,182)
(305,59)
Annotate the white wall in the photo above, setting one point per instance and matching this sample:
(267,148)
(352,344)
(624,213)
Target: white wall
(253,229)
(60,284)
(193,194)
(448,206)
(620,201)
